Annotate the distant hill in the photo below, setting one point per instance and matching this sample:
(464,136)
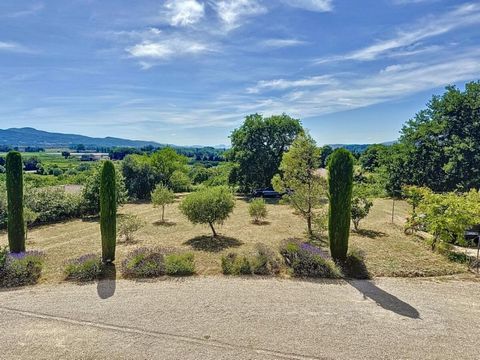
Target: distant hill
(23,137)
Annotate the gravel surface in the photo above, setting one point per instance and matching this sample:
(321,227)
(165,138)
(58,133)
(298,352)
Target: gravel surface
(236,318)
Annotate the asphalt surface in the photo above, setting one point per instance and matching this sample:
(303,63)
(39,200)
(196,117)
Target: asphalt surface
(236,318)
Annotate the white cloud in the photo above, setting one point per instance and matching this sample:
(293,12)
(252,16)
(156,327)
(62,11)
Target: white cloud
(233,12)
(282,84)
(184,12)
(13,47)
(167,48)
(32,10)
(311,5)
(280,43)
(464,15)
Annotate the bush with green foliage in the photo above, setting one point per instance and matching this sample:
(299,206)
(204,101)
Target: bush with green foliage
(234,264)
(262,261)
(91,191)
(128,225)
(108,212)
(306,260)
(16,223)
(180,182)
(320,223)
(340,184)
(208,206)
(180,264)
(162,196)
(53,204)
(360,209)
(144,263)
(84,268)
(257,210)
(19,269)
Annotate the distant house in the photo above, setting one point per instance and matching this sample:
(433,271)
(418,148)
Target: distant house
(94,157)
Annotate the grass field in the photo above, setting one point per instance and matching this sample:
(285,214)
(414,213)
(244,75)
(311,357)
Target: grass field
(388,251)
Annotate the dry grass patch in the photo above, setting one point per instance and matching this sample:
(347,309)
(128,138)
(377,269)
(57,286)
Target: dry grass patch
(388,250)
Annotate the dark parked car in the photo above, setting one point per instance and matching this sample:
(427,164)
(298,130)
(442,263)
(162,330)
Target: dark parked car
(266,193)
(471,235)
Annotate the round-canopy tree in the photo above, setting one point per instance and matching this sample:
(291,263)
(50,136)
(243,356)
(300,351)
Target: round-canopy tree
(340,183)
(108,212)
(162,196)
(208,206)
(16,224)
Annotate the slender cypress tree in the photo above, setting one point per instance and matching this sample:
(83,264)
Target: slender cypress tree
(108,212)
(16,225)
(340,183)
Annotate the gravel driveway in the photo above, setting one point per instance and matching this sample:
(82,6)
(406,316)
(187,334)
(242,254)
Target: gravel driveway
(236,318)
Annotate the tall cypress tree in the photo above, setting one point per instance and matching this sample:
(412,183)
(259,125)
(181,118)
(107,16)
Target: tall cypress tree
(340,184)
(16,225)
(108,212)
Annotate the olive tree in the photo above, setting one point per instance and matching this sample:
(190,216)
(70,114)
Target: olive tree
(257,210)
(162,196)
(304,186)
(211,205)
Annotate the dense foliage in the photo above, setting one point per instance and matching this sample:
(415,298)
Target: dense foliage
(53,204)
(258,146)
(108,212)
(208,206)
(257,210)
(16,223)
(340,183)
(19,269)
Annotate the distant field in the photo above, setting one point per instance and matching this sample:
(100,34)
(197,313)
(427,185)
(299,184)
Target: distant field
(389,252)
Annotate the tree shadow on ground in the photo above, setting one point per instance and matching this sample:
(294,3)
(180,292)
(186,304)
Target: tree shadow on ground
(384,299)
(213,244)
(107,283)
(372,234)
(261,223)
(164,223)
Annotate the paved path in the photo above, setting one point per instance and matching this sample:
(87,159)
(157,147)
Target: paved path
(221,318)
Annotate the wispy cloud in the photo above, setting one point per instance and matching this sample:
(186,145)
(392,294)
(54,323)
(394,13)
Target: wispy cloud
(32,10)
(311,5)
(281,43)
(464,15)
(184,12)
(13,47)
(282,84)
(234,12)
(167,48)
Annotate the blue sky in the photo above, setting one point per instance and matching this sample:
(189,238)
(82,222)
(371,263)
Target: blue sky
(188,71)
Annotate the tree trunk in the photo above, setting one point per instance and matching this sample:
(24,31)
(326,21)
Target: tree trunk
(163,213)
(309,225)
(213,229)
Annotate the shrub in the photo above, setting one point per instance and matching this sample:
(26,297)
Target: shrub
(233,264)
(15,223)
(264,261)
(340,181)
(354,265)
(179,264)
(208,206)
(144,263)
(53,204)
(257,210)
(128,225)
(84,268)
(360,208)
(108,212)
(320,222)
(19,269)
(180,182)
(162,196)
(306,260)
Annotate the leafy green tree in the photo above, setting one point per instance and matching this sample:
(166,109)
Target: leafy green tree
(16,227)
(108,211)
(440,147)
(162,196)
(140,177)
(447,216)
(361,206)
(211,205)
(257,210)
(305,188)
(340,184)
(91,191)
(166,162)
(258,146)
(31,163)
(179,181)
(373,157)
(325,152)
(128,225)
